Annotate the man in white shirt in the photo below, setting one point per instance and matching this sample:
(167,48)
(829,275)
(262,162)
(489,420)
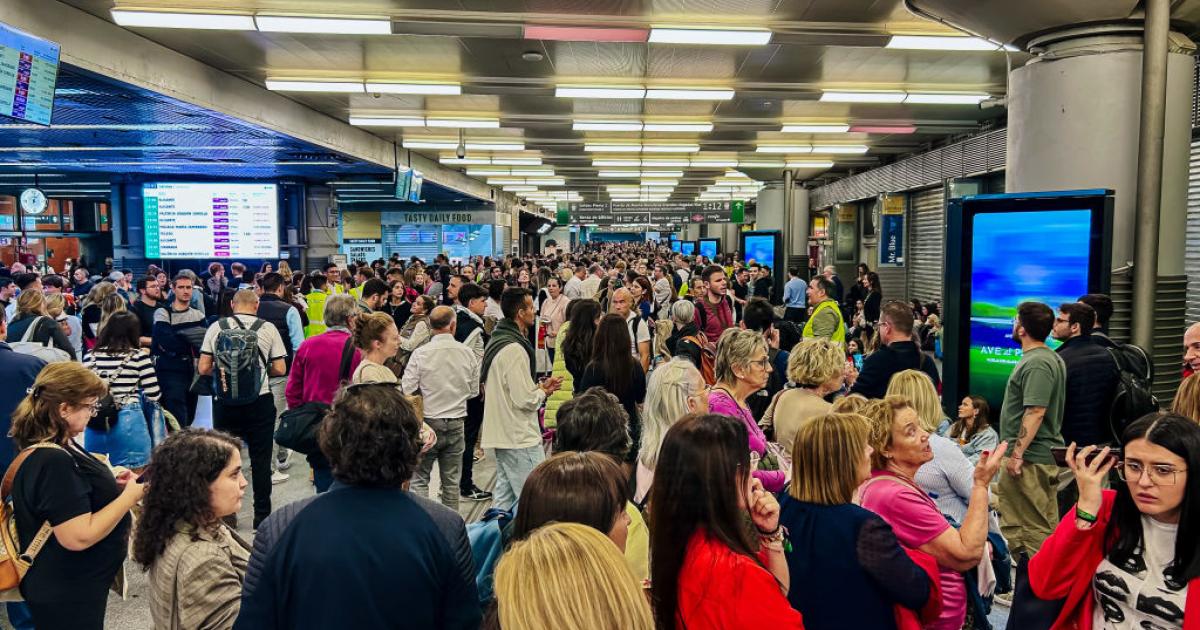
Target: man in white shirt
(446,373)
(591,286)
(663,290)
(639,332)
(511,398)
(254,422)
(574,287)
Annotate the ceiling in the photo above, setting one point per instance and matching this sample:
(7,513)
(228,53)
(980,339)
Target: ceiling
(816,45)
(104,131)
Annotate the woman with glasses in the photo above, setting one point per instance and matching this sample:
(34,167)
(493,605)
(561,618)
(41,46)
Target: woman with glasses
(74,495)
(742,368)
(1129,557)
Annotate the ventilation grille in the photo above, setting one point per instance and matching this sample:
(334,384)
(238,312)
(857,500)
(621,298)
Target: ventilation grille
(980,154)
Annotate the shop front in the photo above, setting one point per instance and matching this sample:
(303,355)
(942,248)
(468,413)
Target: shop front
(460,234)
(64,230)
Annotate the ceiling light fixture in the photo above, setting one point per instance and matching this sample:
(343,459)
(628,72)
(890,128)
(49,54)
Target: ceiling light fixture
(463,123)
(670,148)
(840,96)
(585,34)
(810,164)
(678,126)
(605,125)
(374,87)
(941,42)
(166,19)
(387,121)
(690,94)
(851,149)
(616,162)
(714,163)
(619,174)
(675,163)
(709,36)
(884,129)
(612,148)
(517,161)
(568,91)
(923,98)
(520,188)
(816,128)
(289,85)
(338,26)
(783,148)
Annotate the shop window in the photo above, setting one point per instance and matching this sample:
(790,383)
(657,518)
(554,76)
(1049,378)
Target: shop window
(8,213)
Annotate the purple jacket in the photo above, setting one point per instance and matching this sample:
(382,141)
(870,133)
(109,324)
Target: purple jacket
(314,374)
(721,402)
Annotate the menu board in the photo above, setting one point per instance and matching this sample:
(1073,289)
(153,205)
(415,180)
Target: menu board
(211,220)
(28,70)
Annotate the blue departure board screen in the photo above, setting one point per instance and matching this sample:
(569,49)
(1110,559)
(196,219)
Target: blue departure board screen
(28,71)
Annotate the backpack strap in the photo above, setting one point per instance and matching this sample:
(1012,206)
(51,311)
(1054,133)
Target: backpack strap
(33,326)
(347,359)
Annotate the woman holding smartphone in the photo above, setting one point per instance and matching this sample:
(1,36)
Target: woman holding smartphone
(1129,558)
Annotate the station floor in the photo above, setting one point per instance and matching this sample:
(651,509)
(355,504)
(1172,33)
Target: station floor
(133,613)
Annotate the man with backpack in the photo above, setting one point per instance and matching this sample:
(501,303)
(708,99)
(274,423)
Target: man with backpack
(714,309)
(1091,377)
(241,353)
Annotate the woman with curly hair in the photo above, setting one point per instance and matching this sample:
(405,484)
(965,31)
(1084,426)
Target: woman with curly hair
(197,563)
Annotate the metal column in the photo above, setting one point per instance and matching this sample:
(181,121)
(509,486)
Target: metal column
(1150,166)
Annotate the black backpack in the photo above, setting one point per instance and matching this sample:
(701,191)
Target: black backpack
(1132,398)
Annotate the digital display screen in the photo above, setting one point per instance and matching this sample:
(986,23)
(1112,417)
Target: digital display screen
(205,220)
(687,248)
(675,246)
(28,72)
(708,248)
(761,249)
(1017,257)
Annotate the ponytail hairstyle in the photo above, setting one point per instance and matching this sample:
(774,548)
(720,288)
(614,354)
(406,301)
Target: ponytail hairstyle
(371,328)
(37,418)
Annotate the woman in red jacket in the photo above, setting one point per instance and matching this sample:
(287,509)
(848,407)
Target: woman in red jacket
(1129,558)
(716,545)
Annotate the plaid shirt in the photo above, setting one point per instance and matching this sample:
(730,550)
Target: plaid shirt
(197,582)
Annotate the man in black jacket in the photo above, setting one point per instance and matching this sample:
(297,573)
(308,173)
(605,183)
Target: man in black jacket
(897,353)
(1091,376)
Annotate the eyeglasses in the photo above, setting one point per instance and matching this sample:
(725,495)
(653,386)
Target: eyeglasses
(762,363)
(1160,474)
(95,407)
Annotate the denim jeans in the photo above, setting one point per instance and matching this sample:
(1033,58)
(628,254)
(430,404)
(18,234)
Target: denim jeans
(448,453)
(513,466)
(19,616)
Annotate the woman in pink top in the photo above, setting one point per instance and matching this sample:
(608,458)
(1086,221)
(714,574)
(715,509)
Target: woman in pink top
(742,368)
(901,448)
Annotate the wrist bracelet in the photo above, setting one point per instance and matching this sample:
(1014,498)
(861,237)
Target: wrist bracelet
(1087,517)
(1016,457)
(776,540)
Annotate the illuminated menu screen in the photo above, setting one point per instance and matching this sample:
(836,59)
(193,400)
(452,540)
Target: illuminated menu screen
(28,70)
(211,220)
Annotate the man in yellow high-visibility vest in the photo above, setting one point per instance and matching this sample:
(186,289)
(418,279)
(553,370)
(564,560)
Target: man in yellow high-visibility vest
(826,320)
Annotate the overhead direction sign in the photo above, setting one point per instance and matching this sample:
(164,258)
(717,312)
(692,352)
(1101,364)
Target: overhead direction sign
(622,212)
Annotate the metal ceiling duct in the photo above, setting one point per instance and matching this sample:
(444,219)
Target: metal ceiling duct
(1016,21)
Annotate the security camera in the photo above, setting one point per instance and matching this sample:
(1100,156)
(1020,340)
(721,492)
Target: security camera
(376,95)
(461,151)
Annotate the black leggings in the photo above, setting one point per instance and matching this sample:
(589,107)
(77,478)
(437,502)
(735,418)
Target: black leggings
(73,615)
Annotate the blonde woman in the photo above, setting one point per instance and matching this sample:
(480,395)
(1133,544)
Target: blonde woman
(56,305)
(32,313)
(1187,399)
(567,576)
(92,311)
(948,477)
(816,366)
(742,368)
(676,389)
(852,403)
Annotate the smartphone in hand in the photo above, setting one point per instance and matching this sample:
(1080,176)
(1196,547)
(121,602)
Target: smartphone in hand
(1059,453)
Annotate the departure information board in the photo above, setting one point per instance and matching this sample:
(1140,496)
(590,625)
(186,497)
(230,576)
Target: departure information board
(28,71)
(203,220)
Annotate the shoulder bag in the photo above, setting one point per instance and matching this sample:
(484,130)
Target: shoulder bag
(298,427)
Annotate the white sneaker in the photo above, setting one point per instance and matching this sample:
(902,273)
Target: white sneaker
(278,477)
(1004,600)
(283,458)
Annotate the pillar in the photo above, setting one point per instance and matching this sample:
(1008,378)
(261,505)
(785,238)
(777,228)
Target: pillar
(1074,123)
(792,223)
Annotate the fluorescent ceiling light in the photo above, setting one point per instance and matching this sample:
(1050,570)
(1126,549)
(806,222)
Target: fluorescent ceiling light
(567,91)
(598,125)
(784,148)
(532,172)
(288,85)
(675,163)
(816,128)
(458,160)
(884,129)
(673,174)
(430,144)
(613,148)
(670,148)
(662,184)
(690,94)
(663,126)
(945,99)
(938,42)
(616,162)
(414,88)
(831,96)
(619,174)
(585,34)
(164,19)
(387,121)
(506,181)
(762,164)
(546,181)
(851,149)
(714,163)
(337,26)
(710,36)
(517,161)
(495,146)
(810,164)
(463,123)
(520,188)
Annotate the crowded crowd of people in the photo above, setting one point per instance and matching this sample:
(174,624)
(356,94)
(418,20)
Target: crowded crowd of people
(677,442)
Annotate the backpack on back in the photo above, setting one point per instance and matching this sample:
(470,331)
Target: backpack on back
(1132,398)
(239,366)
(47,351)
(708,360)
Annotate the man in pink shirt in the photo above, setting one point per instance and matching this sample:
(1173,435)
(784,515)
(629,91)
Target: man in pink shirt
(714,310)
(316,370)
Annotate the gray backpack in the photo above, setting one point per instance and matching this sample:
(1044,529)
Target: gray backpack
(239,366)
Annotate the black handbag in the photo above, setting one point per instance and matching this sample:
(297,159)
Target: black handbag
(298,427)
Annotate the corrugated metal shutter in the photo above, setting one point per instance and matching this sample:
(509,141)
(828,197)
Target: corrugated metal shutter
(926,243)
(422,241)
(1192,249)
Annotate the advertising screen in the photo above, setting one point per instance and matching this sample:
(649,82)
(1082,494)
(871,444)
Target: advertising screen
(687,248)
(761,249)
(708,248)
(1018,257)
(28,72)
(675,246)
(203,220)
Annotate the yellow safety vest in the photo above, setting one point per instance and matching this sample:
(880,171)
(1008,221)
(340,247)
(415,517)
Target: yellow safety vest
(839,333)
(316,313)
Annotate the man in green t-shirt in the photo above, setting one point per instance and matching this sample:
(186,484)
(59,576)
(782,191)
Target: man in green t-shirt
(1031,421)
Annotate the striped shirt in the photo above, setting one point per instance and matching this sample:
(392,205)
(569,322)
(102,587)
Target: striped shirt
(126,373)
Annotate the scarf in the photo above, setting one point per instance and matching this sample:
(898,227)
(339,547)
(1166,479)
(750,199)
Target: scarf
(506,332)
